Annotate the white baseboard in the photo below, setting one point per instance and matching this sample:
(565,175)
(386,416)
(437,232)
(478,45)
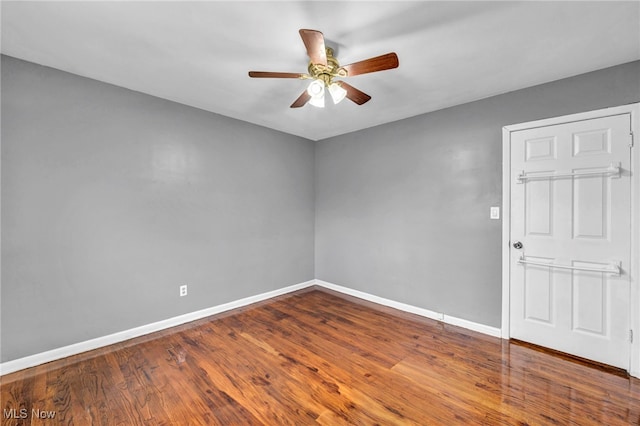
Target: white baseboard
(99,342)
(77,348)
(470,325)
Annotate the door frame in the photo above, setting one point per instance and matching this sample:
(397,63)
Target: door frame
(634,314)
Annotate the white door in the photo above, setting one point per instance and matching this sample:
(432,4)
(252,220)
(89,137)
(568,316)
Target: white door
(570,238)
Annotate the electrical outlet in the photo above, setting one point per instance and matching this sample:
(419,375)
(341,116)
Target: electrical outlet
(183,290)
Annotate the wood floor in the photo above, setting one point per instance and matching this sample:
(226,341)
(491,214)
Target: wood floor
(318,357)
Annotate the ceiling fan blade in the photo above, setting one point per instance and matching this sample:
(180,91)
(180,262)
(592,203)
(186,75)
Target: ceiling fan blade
(379,63)
(268,74)
(302,100)
(354,94)
(314,42)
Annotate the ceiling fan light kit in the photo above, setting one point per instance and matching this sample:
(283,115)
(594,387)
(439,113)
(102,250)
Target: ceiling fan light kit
(324,67)
(316,91)
(337,92)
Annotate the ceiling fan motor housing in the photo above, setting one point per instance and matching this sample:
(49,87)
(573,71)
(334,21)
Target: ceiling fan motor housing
(327,72)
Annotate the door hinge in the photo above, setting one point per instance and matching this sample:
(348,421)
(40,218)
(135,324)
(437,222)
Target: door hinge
(630,336)
(631,141)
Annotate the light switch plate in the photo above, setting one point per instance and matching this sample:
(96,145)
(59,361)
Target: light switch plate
(494,213)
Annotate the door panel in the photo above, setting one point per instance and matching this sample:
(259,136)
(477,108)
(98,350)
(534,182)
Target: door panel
(590,300)
(568,209)
(539,208)
(590,207)
(538,297)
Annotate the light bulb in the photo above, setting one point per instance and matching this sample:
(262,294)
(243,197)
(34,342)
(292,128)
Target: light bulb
(337,92)
(316,91)
(316,88)
(317,101)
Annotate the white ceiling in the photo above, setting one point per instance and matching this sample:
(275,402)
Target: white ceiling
(198,53)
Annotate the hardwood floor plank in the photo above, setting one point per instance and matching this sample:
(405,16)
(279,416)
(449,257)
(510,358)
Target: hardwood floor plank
(319,357)
(240,372)
(390,390)
(329,389)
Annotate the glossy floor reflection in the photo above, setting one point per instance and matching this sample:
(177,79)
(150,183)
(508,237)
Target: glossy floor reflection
(319,357)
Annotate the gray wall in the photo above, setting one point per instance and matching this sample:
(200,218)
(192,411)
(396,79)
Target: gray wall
(111,199)
(402,210)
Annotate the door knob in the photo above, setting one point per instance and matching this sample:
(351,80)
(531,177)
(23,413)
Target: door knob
(517,245)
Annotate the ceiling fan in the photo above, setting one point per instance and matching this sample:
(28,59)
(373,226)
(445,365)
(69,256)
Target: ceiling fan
(324,67)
